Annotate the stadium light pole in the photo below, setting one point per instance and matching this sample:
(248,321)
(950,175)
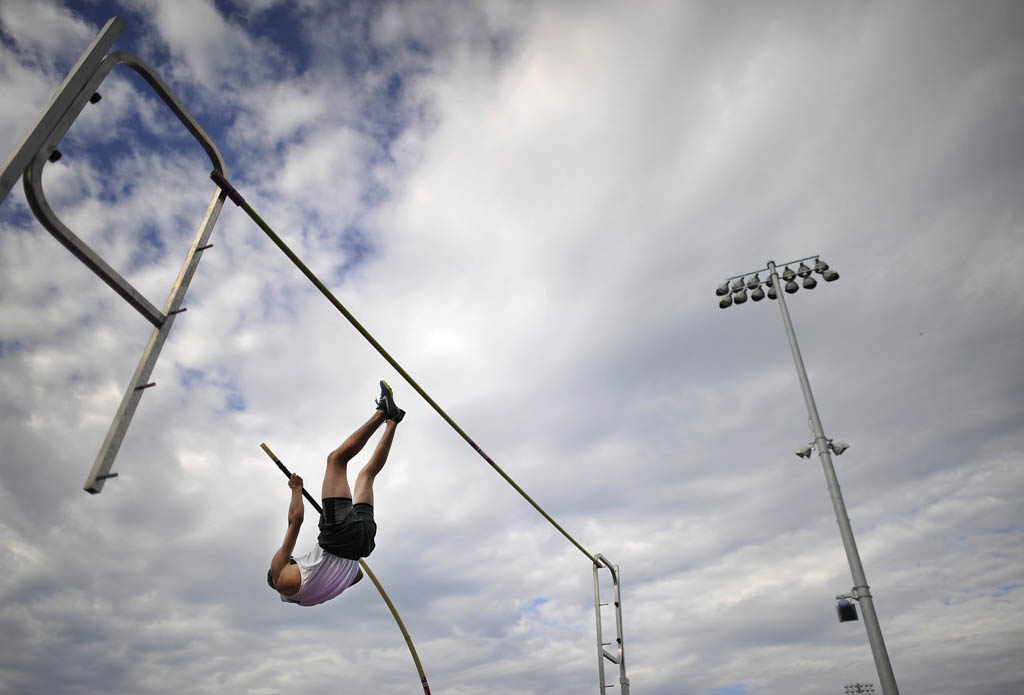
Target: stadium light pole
(733,291)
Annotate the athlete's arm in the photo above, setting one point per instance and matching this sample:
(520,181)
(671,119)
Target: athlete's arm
(287,579)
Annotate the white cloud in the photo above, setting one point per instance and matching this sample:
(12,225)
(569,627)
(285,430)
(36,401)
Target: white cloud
(44,32)
(208,49)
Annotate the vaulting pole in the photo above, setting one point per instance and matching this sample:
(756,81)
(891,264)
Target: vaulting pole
(369,573)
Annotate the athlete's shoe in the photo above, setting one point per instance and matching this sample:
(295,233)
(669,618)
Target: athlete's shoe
(387,403)
(398,416)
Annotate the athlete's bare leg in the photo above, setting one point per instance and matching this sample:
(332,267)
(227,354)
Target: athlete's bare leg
(336,476)
(364,481)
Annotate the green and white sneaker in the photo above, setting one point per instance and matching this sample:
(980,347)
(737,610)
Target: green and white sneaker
(386,402)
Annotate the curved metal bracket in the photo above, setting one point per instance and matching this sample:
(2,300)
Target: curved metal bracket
(45,214)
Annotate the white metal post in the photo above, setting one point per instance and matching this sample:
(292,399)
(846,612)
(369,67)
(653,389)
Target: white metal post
(619,657)
(860,590)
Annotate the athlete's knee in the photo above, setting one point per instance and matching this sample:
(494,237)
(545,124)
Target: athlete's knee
(365,477)
(337,458)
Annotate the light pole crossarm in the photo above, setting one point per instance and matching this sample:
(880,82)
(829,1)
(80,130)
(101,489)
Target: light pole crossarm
(769,267)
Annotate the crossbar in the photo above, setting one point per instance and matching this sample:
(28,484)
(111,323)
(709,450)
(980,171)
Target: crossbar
(238,200)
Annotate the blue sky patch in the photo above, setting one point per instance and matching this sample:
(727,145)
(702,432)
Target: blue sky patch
(190,377)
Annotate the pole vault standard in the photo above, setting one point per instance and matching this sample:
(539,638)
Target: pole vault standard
(369,573)
(598,561)
(39,146)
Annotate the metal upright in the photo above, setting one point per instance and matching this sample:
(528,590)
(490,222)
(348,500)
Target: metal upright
(39,145)
(619,657)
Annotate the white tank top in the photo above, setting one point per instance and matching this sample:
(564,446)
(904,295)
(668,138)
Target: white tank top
(324,576)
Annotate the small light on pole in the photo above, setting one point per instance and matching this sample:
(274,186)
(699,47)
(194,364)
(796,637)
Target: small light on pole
(838,447)
(846,611)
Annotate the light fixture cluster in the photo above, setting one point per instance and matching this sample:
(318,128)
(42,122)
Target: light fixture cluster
(836,448)
(736,292)
(854,688)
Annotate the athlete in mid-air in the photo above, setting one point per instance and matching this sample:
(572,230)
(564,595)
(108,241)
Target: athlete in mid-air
(347,528)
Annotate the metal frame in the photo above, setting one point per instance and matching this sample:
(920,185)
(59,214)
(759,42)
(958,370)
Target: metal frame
(28,160)
(619,657)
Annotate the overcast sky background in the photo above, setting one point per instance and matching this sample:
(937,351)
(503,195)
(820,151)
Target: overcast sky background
(530,206)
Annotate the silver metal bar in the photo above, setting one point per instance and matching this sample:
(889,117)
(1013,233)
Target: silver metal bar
(874,630)
(600,644)
(44,213)
(623,680)
(32,140)
(130,400)
(621,655)
(174,104)
(610,657)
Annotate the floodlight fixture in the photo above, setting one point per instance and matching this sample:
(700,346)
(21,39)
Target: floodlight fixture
(757,295)
(772,294)
(740,296)
(754,282)
(803,271)
(737,284)
(820,266)
(838,447)
(804,452)
(830,275)
(792,287)
(788,273)
(723,289)
(726,302)
(809,282)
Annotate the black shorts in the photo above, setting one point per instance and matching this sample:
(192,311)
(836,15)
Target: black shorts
(347,530)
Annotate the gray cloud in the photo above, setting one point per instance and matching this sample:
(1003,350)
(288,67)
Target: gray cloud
(529,205)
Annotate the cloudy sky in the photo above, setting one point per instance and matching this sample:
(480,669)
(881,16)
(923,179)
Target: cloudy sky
(530,204)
